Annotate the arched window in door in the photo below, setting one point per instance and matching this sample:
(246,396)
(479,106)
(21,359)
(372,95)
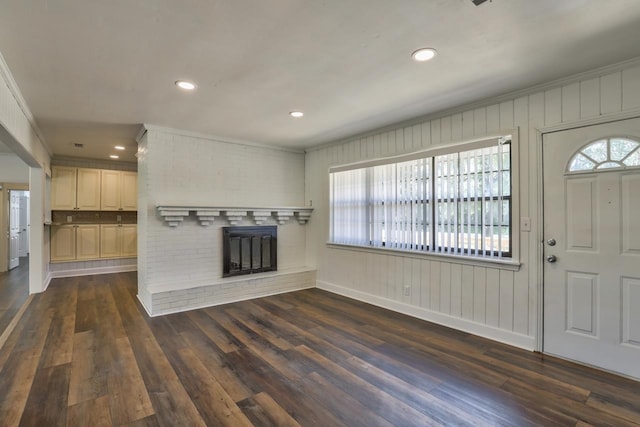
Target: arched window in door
(606,153)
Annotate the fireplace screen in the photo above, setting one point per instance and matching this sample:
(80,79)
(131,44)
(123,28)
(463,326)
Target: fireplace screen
(249,250)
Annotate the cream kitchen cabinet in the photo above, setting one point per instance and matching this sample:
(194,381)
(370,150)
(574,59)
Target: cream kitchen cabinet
(75,188)
(118,241)
(119,191)
(75,242)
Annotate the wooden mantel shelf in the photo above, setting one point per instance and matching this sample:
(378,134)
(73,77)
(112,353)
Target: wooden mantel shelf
(174,215)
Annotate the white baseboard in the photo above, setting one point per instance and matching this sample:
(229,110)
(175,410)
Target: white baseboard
(92,271)
(47,281)
(143,305)
(501,335)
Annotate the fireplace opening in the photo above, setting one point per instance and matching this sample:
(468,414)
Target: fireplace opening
(247,250)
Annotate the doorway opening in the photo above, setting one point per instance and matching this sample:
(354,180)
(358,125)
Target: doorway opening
(19,226)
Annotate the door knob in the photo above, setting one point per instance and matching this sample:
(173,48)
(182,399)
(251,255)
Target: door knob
(551,242)
(551,258)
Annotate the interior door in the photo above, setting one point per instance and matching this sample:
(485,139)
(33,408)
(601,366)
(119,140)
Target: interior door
(14,229)
(592,245)
(24,223)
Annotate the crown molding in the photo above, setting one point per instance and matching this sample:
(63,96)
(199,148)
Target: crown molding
(180,132)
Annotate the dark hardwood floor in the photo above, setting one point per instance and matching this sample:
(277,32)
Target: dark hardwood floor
(14,291)
(86,354)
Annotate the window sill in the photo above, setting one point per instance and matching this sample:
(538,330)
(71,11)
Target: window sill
(511,264)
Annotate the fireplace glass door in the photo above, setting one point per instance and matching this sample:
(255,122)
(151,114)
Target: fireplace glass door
(249,250)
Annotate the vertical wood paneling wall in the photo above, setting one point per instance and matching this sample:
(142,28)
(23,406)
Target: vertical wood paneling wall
(497,303)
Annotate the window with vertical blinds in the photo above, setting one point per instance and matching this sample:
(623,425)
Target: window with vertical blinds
(455,200)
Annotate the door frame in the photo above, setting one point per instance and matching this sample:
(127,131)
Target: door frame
(4,220)
(537,272)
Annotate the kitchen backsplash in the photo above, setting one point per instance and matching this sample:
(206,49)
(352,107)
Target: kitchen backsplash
(94,217)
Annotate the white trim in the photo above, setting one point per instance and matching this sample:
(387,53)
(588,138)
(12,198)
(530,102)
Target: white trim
(143,305)
(490,140)
(503,264)
(225,140)
(599,120)
(47,281)
(229,301)
(93,271)
(538,270)
(507,337)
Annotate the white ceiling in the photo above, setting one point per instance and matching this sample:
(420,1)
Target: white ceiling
(93,71)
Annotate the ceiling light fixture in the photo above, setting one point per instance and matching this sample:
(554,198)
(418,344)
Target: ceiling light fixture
(296,114)
(119,147)
(186,85)
(113,156)
(424,54)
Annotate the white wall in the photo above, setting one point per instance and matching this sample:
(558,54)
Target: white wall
(178,169)
(19,132)
(498,303)
(13,169)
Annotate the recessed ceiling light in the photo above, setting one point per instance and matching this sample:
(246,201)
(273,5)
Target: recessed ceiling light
(113,156)
(186,85)
(296,114)
(119,147)
(424,54)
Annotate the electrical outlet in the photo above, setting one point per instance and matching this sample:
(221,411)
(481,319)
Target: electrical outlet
(69,218)
(407,290)
(119,218)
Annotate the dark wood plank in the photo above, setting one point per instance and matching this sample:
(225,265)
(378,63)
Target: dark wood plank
(262,410)
(14,291)
(48,409)
(86,353)
(94,413)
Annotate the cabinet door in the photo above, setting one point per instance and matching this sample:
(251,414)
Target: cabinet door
(110,241)
(88,241)
(63,243)
(110,197)
(63,188)
(88,189)
(129,191)
(129,240)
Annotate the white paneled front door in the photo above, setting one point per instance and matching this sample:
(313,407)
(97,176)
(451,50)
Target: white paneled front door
(592,245)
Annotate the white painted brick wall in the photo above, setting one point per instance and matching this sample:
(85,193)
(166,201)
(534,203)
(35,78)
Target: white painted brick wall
(176,169)
(226,292)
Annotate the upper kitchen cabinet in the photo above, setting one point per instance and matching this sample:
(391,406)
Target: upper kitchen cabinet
(75,188)
(119,191)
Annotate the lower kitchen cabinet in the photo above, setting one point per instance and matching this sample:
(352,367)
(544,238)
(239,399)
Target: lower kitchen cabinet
(118,240)
(75,242)
(93,241)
